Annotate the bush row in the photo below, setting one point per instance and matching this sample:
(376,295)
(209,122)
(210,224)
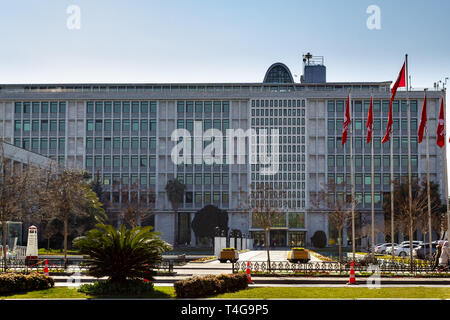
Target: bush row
(197,287)
(108,288)
(17,282)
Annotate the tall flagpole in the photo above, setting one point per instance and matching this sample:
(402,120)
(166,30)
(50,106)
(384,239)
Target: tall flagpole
(446,169)
(352,177)
(409,163)
(391,145)
(430,237)
(373,186)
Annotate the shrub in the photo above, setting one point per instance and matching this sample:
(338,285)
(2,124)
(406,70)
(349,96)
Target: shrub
(197,287)
(319,239)
(228,249)
(17,282)
(109,288)
(233,282)
(121,254)
(298,249)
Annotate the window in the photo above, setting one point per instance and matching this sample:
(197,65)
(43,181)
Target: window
(18,107)
(135,107)
(44,107)
(44,125)
(126,107)
(90,125)
(108,107)
(53,107)
(126,125)
(180,106)
(144,107)
(99,107)
(62,125)
(152,125)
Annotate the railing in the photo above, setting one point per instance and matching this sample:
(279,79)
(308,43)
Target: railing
(334,267)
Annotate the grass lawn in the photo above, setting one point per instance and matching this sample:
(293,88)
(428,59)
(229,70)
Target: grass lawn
(337,293)
(263,293)
(72,293)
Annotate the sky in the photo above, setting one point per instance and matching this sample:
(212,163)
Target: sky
(143,41)
(220,41)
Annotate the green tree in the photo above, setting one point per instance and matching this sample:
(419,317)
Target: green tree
(175,193)
(121,254)
(207,219)
(68,195)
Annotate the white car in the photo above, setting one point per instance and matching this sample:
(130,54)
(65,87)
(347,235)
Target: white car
(401,250)
(381,248)
(414,242)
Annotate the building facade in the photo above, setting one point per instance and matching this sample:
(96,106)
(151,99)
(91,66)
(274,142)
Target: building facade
(124,133)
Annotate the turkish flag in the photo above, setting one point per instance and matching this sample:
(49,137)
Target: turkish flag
(389,125)
(401,82)
(347,121)
(369,123)
(423,120)
(441,126)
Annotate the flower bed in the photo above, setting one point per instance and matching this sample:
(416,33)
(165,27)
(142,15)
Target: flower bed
(17,282)
(197,287)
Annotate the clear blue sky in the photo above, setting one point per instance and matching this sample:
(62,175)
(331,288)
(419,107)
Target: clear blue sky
(220,41)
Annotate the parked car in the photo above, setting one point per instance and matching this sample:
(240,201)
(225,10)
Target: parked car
(401,250)
(414,242)
(381,248)
(423,251)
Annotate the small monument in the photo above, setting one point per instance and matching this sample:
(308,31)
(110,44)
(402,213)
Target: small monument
(31,255)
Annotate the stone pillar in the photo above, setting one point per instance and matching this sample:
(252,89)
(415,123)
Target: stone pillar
(239,243)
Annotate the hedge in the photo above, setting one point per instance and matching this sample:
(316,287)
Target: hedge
(197,287)
(17,282)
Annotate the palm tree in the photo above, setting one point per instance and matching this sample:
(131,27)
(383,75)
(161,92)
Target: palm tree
(175,193)
(121,254)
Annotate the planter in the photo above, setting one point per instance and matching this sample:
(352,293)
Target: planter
(298,255)
(228,255)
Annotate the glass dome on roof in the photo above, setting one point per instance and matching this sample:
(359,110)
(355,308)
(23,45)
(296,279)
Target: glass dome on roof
(278,73)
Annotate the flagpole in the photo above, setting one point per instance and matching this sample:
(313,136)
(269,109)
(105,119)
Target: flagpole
(352,177)
(391,144)
(373,186)
(409,163)
(430,237)
(446,169)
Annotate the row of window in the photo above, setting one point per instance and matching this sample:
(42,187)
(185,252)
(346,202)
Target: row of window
(278,103)
(203,106)
(124,143)
(278,112)
(286,176)
(42,107)
(364,179)
(335,143)
(360,198)
(121,162)
(294,220)
(43,125)
(203,178)
(276,121)
(117,107)
(378,105)
(338,161)
(360,124)
(117,125)
(43,144)
(207,124)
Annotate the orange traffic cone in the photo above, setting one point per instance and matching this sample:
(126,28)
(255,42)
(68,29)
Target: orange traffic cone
(46,268)
(249,276)
(352,279)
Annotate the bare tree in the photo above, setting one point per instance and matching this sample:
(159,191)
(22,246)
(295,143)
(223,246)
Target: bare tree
(67,194)
(266,205)
(138,205)
(17,193)
(333,200)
